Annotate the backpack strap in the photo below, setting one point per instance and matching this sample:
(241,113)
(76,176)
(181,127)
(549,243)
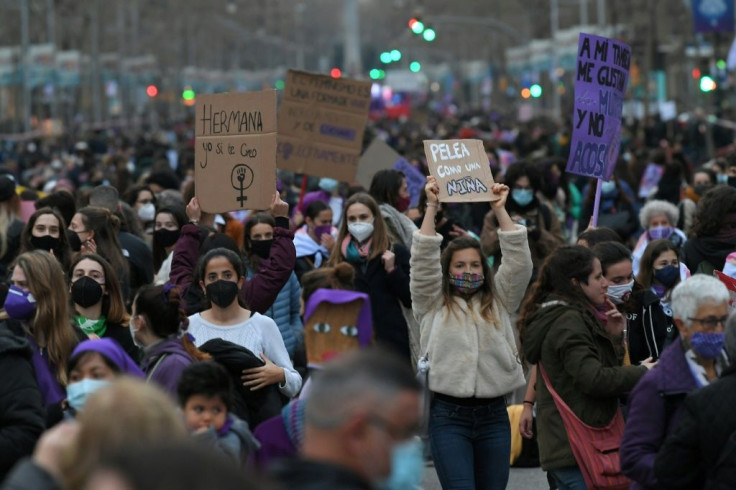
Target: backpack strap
(155,366)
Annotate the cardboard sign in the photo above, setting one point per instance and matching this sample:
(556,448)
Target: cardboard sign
(321,123)
(235,151)
(462,170)
(600,84)
(378,156)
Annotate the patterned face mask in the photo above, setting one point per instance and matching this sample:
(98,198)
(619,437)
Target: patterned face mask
(467,283)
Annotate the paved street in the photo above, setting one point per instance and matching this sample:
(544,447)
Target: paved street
(521,479)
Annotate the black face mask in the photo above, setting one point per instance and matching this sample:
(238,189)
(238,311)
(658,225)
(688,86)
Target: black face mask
(46,242)
(86,292)
(75,243)
(166,238)
(261,248)
(222,293)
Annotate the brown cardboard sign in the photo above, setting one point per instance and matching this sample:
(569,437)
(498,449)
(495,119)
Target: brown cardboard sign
(235,151)
(462,170)
(378,156)
(321,122)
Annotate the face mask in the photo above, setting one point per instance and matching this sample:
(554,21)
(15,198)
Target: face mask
(620,293)
(667,276)
(261,248)
(608,187)
(46,242)
(701,189)
(729,270)
(328,185)
(407,466)
(75,243)
(322,230)
(222,293)
(19,304)
(403,204)
(133,330)
(522,197)
(722,178)
(86,292)
(77,393)
(707,345)
(147,212)
(166,238)
(660,232)
(466,282)
(361,231)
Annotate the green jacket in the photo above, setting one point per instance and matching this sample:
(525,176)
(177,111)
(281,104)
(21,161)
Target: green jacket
(584,367)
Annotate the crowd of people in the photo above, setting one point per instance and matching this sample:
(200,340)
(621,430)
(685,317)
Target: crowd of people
(148,343)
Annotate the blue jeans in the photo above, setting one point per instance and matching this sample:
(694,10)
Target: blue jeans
(569,478)
(471,446)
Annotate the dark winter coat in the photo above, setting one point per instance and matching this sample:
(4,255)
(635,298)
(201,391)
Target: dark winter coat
(164,362)
(701,453)
(583,366)
(650,330)
(22,416)
(654,410)
(707,253)
(300,474)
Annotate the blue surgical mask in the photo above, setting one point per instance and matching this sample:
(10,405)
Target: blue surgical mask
(722,178)
(407,466)
(607,188)
(708,345)
(327,184)
(522,196)
(77,393)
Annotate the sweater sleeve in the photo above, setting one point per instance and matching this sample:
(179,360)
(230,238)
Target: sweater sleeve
(295,293)
(184,260)
(275,350)
(260,292)
(425,277)
(513,275)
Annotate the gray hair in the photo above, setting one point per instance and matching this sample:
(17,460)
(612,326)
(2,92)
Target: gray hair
(356,382)
(653,208)
(731,338)
(104,196)
(691,294)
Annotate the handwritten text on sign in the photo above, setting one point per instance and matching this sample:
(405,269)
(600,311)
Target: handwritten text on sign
(235,151)
(321,124)
(600,85)
(461,168)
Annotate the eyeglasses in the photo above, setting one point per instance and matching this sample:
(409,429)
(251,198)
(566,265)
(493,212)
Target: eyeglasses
(710,322)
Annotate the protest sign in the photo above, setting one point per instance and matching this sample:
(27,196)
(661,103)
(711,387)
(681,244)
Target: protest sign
(321,123)
(415,180)
(235,151)
(650,179)
(600,84)
(378,156)
(462,170)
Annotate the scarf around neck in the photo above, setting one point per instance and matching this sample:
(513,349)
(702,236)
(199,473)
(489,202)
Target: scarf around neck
(92,327)
(355,253)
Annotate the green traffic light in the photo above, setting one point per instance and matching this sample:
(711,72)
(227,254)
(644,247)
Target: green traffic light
(415,66)
(535,90)
(429,35)
(375,74)
(188,94)
(417,27)
(707,84)
(395,55)
(386,57)
(721,64)
(381,74)
(279,85)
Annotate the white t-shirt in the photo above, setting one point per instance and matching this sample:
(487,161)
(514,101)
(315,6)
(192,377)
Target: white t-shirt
(259,334)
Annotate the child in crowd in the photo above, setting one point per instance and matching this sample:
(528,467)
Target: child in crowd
(205,395)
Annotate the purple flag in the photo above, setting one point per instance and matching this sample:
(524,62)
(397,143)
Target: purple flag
(600,85)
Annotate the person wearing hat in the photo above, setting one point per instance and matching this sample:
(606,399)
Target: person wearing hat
(11,226)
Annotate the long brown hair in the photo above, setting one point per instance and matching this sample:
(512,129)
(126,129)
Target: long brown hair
(654,249)
(106,226)
(381,241)
(485,291)
(113,306)
(51,321)
(64,249)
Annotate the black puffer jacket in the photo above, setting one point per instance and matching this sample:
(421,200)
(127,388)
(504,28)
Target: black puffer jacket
(22,416)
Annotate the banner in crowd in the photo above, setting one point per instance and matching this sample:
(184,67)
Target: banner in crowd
(713,15)
(235,151)
(321,124)
(380,156)
(600,85)
(461,168)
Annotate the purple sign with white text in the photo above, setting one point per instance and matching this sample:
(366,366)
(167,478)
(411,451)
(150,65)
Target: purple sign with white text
(600,85)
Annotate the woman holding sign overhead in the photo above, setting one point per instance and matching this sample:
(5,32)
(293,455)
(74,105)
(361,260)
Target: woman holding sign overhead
(467,336)
(381,269)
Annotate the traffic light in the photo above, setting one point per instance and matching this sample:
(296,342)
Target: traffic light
(415,66)
(188,96)
(707,84)
(525,93)
(416,25)
(429,35)
(152,91)
(377,74)
(535,90)
(395,55)
(336,73)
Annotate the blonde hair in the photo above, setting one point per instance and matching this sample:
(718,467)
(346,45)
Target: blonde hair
(127,412)
(52,321)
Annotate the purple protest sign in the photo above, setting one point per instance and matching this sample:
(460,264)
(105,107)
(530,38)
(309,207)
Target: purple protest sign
(600,85)
(415,179)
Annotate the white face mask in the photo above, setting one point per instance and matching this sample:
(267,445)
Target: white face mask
(133,330)
(730,270)
(147,212)
(361,231)
(619,293)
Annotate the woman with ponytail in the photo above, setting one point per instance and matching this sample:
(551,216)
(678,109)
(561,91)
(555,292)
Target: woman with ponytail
(158,325)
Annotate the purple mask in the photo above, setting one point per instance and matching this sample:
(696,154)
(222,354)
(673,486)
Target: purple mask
(19,304)
(661,232)
(322,230)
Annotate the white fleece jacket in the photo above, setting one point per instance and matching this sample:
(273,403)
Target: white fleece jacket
(468,355)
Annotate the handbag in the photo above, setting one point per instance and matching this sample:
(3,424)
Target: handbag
(596,449)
